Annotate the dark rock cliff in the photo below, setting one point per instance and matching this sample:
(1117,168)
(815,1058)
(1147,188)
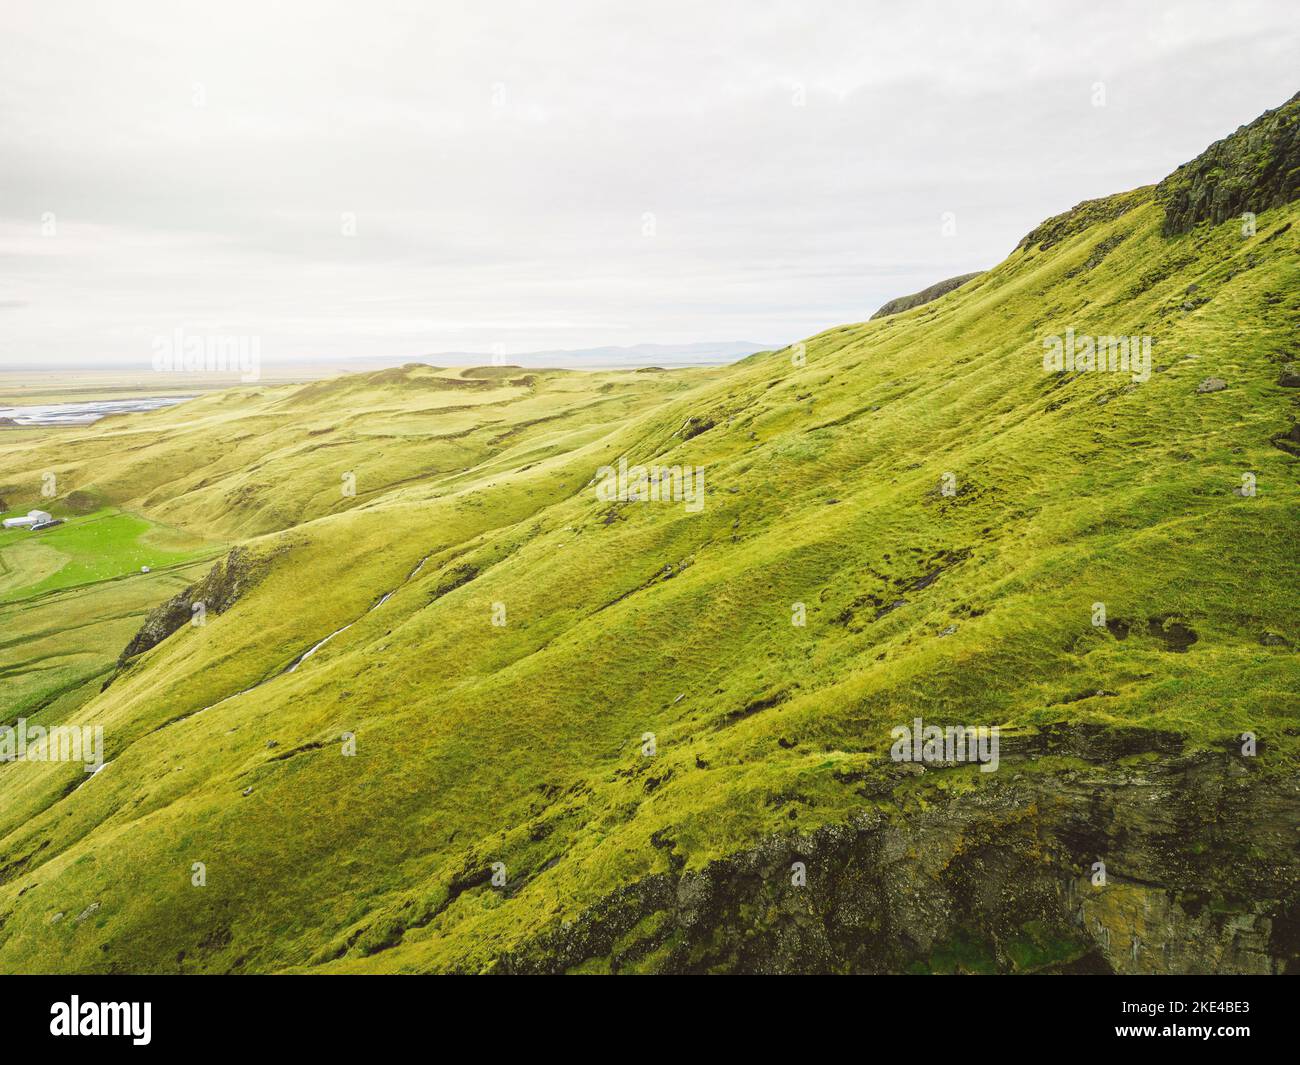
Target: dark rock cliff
(1201,875)
(1256,168)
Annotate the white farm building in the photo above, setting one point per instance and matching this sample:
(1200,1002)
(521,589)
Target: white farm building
(34,517)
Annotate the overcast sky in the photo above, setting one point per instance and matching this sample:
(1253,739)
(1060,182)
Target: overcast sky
(568,174)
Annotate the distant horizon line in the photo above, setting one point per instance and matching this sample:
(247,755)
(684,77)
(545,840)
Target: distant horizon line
(728,350)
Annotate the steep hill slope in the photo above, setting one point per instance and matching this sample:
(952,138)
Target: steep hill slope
(551,730)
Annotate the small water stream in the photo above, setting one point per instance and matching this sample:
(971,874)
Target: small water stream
(292,667)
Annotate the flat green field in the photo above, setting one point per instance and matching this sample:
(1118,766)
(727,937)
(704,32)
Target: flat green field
(71,597)
(102,546)
(57,648)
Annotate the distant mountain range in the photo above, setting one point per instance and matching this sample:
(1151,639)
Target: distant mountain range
(611,356)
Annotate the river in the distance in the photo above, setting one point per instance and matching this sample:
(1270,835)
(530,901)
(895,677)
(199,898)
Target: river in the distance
(82,413)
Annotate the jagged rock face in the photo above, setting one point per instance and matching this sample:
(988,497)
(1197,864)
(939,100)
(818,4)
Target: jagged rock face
(926,295)
(1256,168)
(1201,875)
(217,591)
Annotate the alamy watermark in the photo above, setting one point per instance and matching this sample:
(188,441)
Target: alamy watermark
(58,743)
(656,484)
(77,1018)
(1104,354)
(181,352)
(954,743)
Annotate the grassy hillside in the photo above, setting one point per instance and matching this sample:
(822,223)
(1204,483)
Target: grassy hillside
(942,514)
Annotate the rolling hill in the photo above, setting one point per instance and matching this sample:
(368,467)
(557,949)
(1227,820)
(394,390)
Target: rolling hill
(543,729)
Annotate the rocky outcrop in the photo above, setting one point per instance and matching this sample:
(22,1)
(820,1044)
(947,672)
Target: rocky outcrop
(217,592)
(1256,168)
(694,425)
(1200,875)
(926,295)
